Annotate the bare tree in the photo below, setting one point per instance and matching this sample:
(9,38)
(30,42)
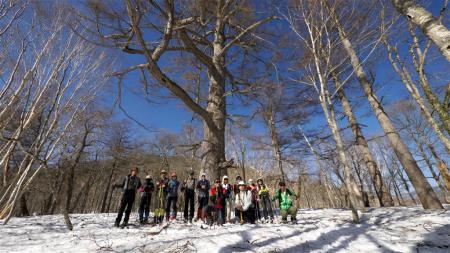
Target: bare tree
(427,196)
(419,59)
(54,78)
(381,191)
(320,47)
(207,31)
(430,26)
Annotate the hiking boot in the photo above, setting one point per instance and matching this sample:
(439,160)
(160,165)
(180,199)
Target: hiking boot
(124,224)
(116,224)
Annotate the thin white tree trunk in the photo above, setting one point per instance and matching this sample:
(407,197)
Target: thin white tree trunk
(423,188)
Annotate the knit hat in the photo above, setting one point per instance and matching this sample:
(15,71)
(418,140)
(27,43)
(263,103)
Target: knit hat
(163,172)
(225,177)
(282,183)
(241,183)
(148,177)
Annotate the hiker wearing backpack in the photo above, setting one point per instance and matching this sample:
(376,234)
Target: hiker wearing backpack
(129,186)
(161,193)
(172,197)
(264,200)
(203,187)
(188,188)
(144,208)
(228,192)
(244,206)
(284,197)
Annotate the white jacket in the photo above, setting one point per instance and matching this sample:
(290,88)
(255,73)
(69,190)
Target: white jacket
(244,198)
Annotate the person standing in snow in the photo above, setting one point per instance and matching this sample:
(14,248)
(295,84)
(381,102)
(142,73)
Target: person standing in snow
(244,205)
(203,187)
(236,184)
(284,197)
(144,208)
(228,192)
(188,188)
(235,192)
(161,193)
(217,198)
(172,197)
(254,190)
(264,200)
(129,186)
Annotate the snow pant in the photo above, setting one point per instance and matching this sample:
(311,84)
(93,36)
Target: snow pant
(247,216)
(160,199)
(292,211)
(266,205)
(144,207)
(202,203)
(189,204)
(220,216)
(126,204)
(257,211)
(228,208)
(171,202)
(213,214)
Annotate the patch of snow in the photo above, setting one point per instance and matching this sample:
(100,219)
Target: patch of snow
(396,229)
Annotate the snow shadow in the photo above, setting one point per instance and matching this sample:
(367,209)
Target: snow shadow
(247,243)
(436,241)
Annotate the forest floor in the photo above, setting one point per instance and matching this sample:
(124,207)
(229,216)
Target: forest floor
(397,229)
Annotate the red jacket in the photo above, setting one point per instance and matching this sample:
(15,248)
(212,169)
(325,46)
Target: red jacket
(217,196)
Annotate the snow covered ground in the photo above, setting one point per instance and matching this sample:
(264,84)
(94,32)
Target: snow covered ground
(399,229)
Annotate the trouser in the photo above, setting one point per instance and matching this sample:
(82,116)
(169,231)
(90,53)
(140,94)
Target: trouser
(257,211)
(220,216)
(171,202)
(126,204)
(247,216)
(228,208)
(144,207)
(213,214)
(160,199)
(189,204)
(202,203)
(292,211)
(266,205)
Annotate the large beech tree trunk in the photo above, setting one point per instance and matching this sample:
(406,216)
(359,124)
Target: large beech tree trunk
(425,192)
(430,25)
(214,139)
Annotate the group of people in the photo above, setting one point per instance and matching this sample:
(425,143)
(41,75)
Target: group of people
(216,202)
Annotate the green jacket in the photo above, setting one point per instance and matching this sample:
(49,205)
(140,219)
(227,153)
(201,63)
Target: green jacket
(284,198)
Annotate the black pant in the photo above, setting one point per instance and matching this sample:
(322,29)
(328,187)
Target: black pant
(144,207)
(247,216)
(189,204)
(202,202)
(266,206)
(171,201)
(126,204)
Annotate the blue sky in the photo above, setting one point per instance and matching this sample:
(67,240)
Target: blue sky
(170,114)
